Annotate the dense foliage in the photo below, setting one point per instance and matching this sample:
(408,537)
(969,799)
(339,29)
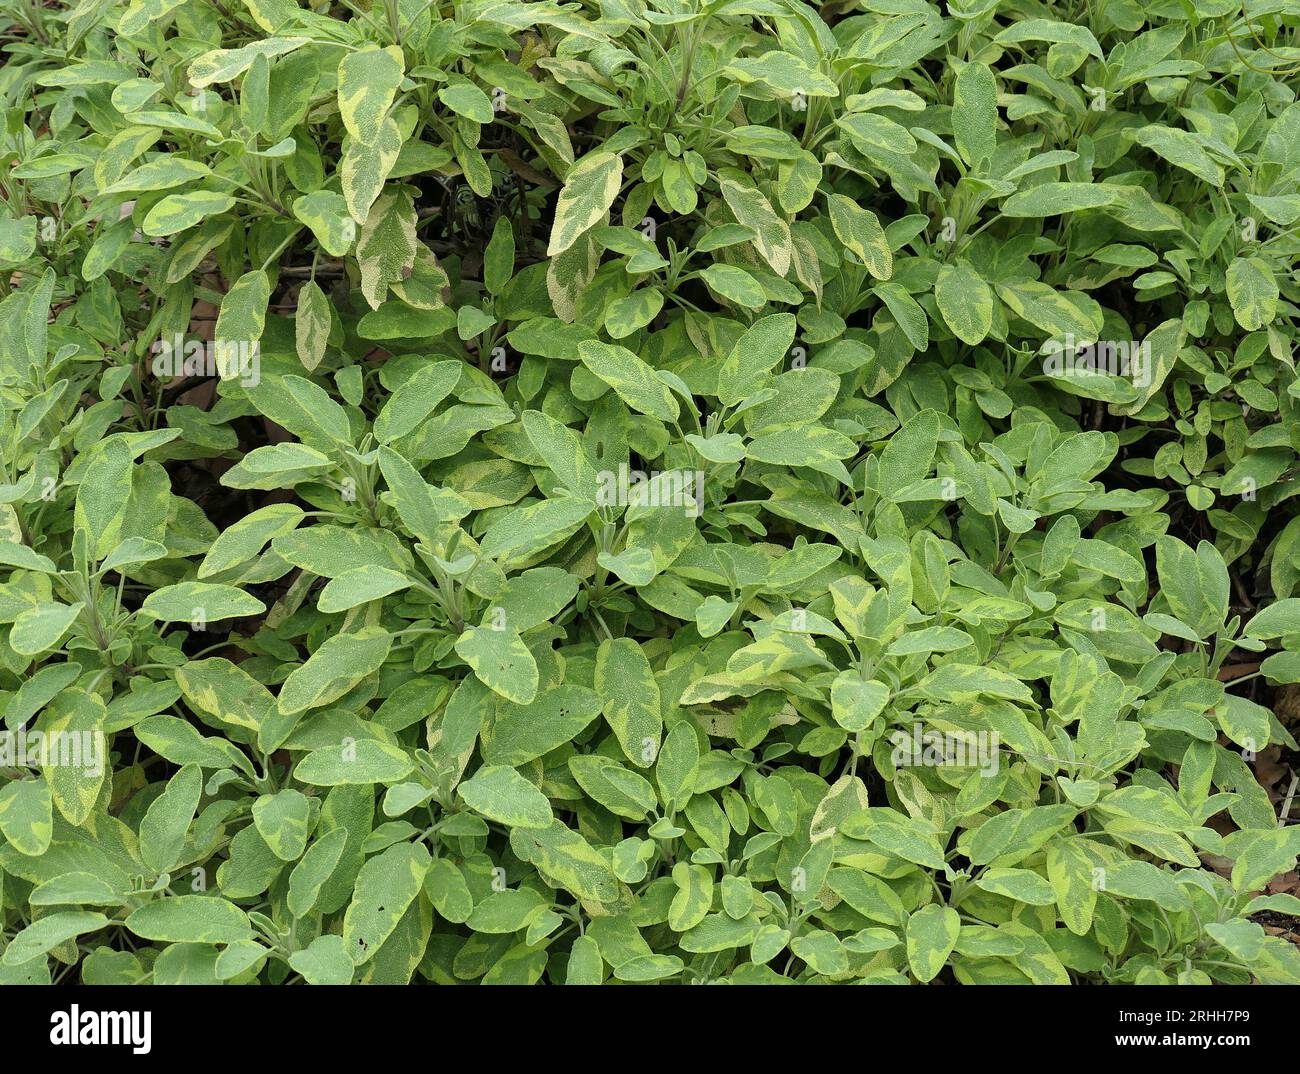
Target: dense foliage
(639,490)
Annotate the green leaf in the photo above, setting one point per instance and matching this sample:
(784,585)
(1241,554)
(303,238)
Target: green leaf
(932,933)
(870,132)
(633,313)
(524,731)
(755,354)
(335,668)
(223,65)
(965,301)
(282,820)
(446,887)
(245,539)
(466,99)
(326,213)
(735,285)
(243,311)
(1181,149)
(501,794)
(386,885)
(76,770)
(415,399)
(518,538)
(1054,199)
(165,824)
(315,868)
(1266,855)
(630,699)
(856,703)
(225,692)
(324,961)
(1280,617)
(42,627)
(1253,292)
(752,209)
(694,896)
(677,768)
(635,382)
(589,190)
(618,789)
(179,212)
(974,113)
(361,762)
(360,586)
(200,602)
(191,919)
(860,231)
(26,816)
(103,497)
(49,932)
(17,239)
(1023,885)
(160,174)
(368,79)
(1195,584)
(501,661)
(386,247)
(311,325)
(366,166)
(563,451)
